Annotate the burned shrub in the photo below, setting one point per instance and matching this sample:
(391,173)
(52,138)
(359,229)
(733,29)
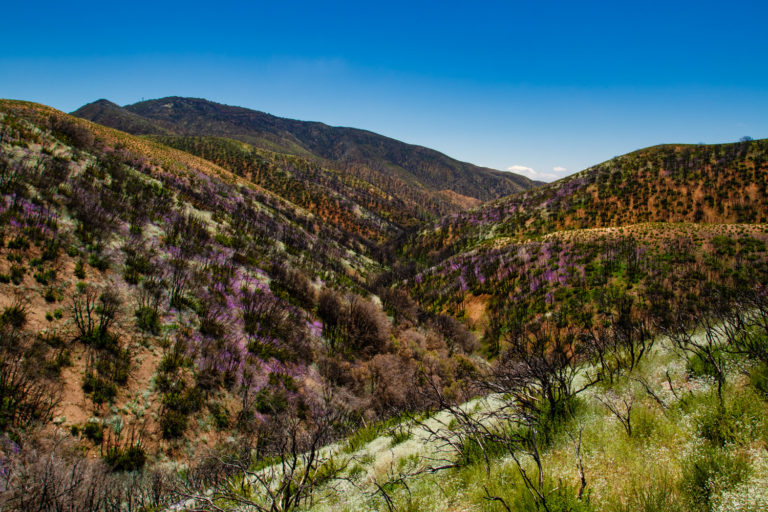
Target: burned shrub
(353,325)
(72,132)
(399,305)
(367,326)
(456,335)
(27,395)
(293,285)
(11,175)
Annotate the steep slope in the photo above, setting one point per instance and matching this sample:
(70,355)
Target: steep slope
(723,183)
(345,147)
(152,301)
(640,236)
(375,206)
(155,304)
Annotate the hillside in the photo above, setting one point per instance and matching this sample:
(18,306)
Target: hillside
(648,231)
(722,183)
(657,440)
(376,207)
(346,149)
(189,319)
(154,304)
(109,114)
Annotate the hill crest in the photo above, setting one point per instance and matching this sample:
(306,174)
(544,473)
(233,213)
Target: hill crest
(340,146)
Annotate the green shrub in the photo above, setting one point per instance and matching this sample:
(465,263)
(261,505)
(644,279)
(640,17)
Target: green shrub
(14,316)
(552,421)
(758,378)
(101,390)
(565,499)
(362,437)
(52,368)
(17,274)
(700,367)
(220,415)
(560,497)
(20,242)
(148,320)
(739,420)
(657,497)
(170,362)
(178,403)
(644,422)
(98,261)
(131,458)
(709,472)
(93,431)
(173,424)
(473,452)
(79,270)
(271,402)
(131,276)
(49,295)
(399,436)
(45,277)
(50,250)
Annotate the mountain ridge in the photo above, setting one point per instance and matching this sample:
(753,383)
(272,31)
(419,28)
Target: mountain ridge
(196,117)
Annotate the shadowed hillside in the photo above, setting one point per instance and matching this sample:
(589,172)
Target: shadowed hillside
(346,148)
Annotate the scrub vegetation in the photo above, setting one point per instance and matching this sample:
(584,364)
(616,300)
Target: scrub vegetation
(192,320)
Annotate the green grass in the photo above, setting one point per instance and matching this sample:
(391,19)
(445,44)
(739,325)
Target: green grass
(689,455)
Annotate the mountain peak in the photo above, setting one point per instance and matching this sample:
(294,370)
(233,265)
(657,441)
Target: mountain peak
(336,146)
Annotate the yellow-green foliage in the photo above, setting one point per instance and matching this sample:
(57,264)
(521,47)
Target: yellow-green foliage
(687,453)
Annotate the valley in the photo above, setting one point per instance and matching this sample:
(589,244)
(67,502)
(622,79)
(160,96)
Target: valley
(192,292)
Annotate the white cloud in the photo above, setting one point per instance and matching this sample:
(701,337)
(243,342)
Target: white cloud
(521,168)
(559,168)
(532,173)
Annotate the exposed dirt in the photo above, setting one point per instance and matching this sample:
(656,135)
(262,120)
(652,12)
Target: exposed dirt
(459,199)
(475,307)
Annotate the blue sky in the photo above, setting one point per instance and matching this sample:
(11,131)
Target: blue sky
(549,86)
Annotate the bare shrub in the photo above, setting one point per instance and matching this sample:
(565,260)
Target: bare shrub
(49,474)
(27,396)
(299,468)
(368,327)
(457,336)
(72,132)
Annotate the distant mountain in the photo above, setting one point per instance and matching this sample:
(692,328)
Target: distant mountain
(107,113)
(344,147)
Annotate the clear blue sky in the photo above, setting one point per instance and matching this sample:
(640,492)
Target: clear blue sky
(536,84)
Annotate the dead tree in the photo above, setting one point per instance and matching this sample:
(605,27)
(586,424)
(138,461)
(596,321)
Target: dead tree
(529,389)
(746,324)
(698,334)
(620,405)
(628,337)
(300,467)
